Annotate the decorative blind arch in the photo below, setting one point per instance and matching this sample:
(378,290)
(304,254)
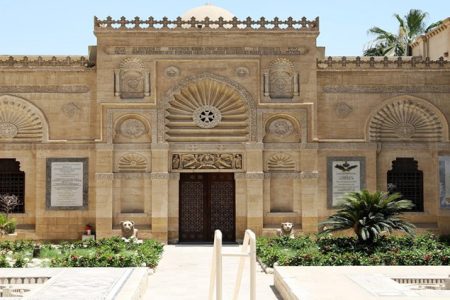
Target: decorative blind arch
(407,119)
(208,108)
(21,121)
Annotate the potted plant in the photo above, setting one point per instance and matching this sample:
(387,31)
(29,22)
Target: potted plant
(7,204)
(88,229)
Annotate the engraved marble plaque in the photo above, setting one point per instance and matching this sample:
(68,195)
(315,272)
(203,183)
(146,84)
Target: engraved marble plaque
(67,183)
(444,182)
(345,175)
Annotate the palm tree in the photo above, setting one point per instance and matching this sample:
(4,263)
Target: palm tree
(370,214)
(389,44)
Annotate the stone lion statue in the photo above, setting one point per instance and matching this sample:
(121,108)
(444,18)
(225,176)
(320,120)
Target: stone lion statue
(128,230)
(287,229)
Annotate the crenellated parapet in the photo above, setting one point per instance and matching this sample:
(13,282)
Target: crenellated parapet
(43,61)
(261,24)
(366,62)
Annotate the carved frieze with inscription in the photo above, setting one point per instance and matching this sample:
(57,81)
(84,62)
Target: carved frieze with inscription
(193,161)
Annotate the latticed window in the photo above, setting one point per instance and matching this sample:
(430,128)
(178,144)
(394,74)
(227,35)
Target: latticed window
(405,178)
(12,181)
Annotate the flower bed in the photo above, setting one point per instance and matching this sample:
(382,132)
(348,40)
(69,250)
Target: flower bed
(111,252)
(341,251)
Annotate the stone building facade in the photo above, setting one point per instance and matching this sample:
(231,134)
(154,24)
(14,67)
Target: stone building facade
(189,125)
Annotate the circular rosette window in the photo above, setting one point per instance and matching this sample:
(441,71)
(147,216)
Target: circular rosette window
(207,116)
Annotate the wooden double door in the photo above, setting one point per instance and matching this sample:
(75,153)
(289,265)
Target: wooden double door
(207,203)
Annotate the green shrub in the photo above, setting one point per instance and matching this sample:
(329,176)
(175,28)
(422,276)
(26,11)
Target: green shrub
(20,261)
(338,251)
(111,252)
(7,225)
(3,262)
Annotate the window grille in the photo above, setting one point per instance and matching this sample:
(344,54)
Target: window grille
(12,181)
(405,178)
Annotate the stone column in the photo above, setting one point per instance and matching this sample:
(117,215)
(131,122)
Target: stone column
(160,191)
(104,190)
(255,187)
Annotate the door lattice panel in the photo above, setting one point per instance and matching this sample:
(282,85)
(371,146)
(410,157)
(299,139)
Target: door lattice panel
(192,212)
(207,203)
(222,208)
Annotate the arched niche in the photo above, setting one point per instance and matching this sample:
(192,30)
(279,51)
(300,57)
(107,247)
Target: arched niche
(282,128)
(406,119)
(21,121)
(132,128)
(207,108)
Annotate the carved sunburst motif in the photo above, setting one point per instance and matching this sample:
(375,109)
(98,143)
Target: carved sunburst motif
(19,121)
(132,63)
(281,162)
(405,120)
(207,111)
(132,162)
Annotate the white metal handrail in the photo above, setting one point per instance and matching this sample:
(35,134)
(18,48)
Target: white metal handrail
(216,268)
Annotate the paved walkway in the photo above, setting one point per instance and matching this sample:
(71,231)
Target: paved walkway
(184,272)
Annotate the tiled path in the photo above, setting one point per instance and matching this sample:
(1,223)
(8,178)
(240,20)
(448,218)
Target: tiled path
(184,272)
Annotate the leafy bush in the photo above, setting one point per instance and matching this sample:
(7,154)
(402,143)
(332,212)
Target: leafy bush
(111,252)
(3,262)
(7,225)
(337,251)
(20,261)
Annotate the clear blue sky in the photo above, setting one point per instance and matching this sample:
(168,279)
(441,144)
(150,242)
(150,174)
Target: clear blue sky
(61,27)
